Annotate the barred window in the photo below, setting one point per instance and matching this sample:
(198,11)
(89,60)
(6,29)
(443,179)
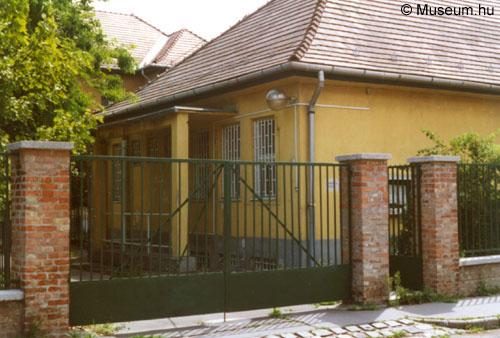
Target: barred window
(153,147)
(264,151)
(135,148)
(117,173)
(231,152)
(199,149)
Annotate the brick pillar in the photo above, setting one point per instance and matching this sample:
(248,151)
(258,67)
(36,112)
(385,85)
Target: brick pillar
(369,226)
(40,233)
(439,219)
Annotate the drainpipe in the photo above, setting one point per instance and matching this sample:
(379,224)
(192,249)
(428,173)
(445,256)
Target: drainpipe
(311,221)
(144,75)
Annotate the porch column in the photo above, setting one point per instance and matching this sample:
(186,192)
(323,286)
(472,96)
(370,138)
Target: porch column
(369,225)
(180,184)
(40,233)
(439,219)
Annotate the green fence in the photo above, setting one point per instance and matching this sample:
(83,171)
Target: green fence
(130,215)
(479,209)
(5,232)
(199,236)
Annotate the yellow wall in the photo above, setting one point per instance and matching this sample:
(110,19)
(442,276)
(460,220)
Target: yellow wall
(376,118)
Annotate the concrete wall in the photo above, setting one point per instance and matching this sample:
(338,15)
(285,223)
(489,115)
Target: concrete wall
(479,270)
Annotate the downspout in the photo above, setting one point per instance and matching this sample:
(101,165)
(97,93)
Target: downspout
(144,75)
(311,219)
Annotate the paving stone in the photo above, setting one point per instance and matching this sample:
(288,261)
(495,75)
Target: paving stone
(392,323)
(367,327)
(304,334)
(406,321)
(338,330)
(358,334)
(379,325)
(423,326)
(412,329)
(353,328)
(272,336)
(440,333)
(288,335)
(322,333)
(387,333)
(344,336)
(374,334)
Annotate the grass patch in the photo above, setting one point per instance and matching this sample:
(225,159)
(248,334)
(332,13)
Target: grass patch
(485,290)
(364,307)
(405,296)
(101,329)
(278,314)
(398,334)
(475,329)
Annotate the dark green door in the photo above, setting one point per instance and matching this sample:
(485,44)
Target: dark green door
(405,251)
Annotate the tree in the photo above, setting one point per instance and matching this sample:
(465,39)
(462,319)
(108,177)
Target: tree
(51,58)
(471,147)
(478,188)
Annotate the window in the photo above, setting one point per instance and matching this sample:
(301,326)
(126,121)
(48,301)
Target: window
(135,148)
(264,151)
(199,149)
(231,152)
(153,147)
(117,173)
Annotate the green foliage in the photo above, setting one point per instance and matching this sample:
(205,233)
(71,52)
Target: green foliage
(102,329)
(278,314)
(364,307)
(484,290)
(398,334)
(471,147)
(405,296)
(51,55)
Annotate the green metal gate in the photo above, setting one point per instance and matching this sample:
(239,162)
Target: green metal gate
(405,245)
(158,237)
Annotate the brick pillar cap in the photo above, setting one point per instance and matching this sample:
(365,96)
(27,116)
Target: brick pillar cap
(434,158)
(42,145)
(364,156)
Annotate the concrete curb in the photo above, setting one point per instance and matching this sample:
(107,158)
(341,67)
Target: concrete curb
(492,322)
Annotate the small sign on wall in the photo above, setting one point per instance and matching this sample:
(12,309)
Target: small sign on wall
(333,185)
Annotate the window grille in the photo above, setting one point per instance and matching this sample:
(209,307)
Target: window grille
(264,151)
(135,148)
(117,173)
(199,149)
(153,147)
(231,152)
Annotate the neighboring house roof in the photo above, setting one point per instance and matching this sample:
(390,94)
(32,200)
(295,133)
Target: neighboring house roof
(349,39)
(148,45)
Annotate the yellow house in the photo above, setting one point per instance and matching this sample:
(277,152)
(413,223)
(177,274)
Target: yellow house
(299,81)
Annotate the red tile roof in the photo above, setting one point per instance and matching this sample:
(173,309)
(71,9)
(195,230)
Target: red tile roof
(367,37)
(147,44)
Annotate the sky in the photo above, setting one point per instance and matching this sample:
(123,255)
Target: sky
(207,18)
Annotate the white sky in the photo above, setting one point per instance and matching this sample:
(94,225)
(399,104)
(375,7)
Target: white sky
(207,18)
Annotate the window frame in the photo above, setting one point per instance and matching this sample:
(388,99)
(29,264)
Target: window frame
(264,143)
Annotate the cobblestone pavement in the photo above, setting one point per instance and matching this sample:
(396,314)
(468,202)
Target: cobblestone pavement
(391,328)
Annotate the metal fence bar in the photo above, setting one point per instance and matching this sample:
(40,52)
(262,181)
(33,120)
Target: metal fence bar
(161,203)
(479,209)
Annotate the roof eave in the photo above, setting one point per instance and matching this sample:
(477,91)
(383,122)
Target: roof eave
(332,72)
